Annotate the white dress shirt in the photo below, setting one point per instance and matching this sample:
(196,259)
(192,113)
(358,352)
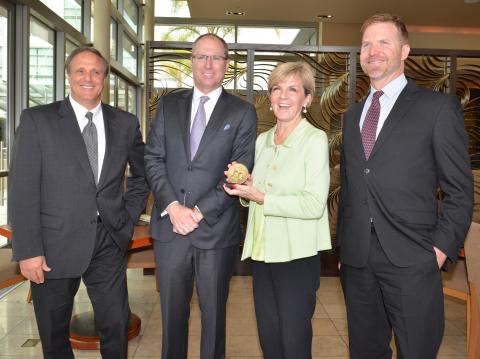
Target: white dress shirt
(390,94)
(97,119)
(209,105)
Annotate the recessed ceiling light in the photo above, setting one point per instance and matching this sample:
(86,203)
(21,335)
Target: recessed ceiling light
(325,16)
(235,13)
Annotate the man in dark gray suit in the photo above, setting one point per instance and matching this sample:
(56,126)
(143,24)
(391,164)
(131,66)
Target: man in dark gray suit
(400,145)
(71,217)
(195,224)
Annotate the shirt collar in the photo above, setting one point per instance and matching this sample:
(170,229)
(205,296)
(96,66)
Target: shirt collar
(291,140)
(393,87)
(81,111)
(213,96)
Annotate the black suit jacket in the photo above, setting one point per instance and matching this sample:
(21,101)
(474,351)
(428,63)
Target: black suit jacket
(229,136)
(422,146)
(53,199)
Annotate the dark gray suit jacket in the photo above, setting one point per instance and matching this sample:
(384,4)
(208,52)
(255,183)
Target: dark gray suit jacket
(53,199)
(229,136)
(422,146)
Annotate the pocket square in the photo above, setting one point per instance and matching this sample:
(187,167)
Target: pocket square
(227,127)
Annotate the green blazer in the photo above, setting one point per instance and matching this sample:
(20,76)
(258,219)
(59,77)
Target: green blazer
(295,178)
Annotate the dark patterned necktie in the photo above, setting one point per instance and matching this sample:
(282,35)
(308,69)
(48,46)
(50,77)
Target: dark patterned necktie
(89,134)
(369,128)
(198,126)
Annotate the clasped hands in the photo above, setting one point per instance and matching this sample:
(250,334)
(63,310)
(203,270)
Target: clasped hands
(184,220)
(245,190)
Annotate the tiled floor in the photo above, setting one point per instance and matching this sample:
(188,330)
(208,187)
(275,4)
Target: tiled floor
(17,322)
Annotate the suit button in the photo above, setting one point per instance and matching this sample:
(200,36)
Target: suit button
(182,190)
(366,171)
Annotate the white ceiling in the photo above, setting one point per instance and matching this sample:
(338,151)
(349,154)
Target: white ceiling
(444,13)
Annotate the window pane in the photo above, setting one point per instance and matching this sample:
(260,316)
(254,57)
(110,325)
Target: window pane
(113,90)
(113,39)
(190,32)
(132,100)
(41,64)
(266,35)
(69,47)
(122,94)
(129,60)
(92,21)
(70,10)
(4,51)
(130,14)
(172,8)
(4,48)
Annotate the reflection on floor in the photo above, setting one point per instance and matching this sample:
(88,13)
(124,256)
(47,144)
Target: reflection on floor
(17,323)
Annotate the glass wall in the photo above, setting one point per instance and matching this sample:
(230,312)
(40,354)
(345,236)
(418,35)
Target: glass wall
(113,39)
(122,94)
(172,8)
(129,54)
(69,10)
(69,47)
(113,89)
(41,64)
(130,14)
(4,110)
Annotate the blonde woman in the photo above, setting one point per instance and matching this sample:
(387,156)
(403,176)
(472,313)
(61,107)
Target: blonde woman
(288,216)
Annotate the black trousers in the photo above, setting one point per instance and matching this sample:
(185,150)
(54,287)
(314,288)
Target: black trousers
(179,264)
(380,297)
(105,280)
(285,299)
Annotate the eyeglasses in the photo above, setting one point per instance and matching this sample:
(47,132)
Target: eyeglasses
(204,58)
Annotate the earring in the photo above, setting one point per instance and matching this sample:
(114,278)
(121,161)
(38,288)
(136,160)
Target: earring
(271,109)
(304,109)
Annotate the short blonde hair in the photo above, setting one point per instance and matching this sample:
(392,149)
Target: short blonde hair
(298,68)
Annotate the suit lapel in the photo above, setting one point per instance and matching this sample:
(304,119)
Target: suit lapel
(109,125)
(216,119)
(400,108)
(184,114)
(72,136)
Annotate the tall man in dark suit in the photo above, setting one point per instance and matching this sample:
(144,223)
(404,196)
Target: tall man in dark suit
(400,145)
(195,224)
(71,217)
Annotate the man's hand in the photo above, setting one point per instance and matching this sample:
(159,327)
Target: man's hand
(183,219)
(441,257)
(33,268)
(198,214)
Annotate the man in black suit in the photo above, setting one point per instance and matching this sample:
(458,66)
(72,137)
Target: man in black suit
(400,145)
(195,224)
(71,217)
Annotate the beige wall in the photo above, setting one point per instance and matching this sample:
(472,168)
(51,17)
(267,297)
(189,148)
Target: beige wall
(331,34)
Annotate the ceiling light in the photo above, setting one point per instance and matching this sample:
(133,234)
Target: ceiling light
(329,16)
(235,13)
